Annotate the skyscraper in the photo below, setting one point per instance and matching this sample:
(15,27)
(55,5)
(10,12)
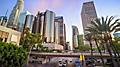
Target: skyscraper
(36,23)
(60,37)
(88,14)
(64,33)
(3,20)
(21,20)
(49,30)
(29,22)
(13,19)
(75,34)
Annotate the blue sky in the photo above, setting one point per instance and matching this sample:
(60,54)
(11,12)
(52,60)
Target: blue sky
(69,9)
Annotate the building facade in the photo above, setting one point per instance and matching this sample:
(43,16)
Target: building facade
(50,27)
(75,34)
(14,16)
(21,20)
(60,33)
(88,14)
(49,30)
(10,36)
(3,20)
(44,24)
(29,22)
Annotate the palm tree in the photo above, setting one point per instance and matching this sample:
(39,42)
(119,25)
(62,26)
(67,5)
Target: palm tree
(88,37)
(104,27)
(95,37)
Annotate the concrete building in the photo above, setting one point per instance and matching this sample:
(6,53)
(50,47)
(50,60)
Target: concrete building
(14,16)
(60,36)
(21,20)
(75,34)
(10,36)
(88,14)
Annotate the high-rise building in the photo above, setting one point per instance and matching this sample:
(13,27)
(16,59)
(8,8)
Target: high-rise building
(44,24)
(49,30)
(88,14)
(29,22)
(36,23)
(39,25)
(60,34)
(75,34)
(64,33)
(21,20)
(14,16)
(50,27)
(3,20)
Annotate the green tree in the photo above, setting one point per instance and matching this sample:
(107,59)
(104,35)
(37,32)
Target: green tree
(12,55)
(84,47)
(28,40)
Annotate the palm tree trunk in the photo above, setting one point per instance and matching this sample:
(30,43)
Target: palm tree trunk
(100,53)
(116,55)
(112,57)
(91,48)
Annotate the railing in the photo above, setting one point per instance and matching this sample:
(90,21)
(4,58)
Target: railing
(68,53)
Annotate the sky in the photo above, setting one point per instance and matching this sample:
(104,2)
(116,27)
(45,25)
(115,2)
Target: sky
(69,9)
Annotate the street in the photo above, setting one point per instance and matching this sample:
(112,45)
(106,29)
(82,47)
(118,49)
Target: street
(47,65)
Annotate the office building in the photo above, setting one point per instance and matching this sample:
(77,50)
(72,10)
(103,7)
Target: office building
(60,32)
(49,30)
(44,24)
(64,33)
(14,16)
(29,22)
(21,20)
(88,14)
(3,20)
(75,34)
(39,25)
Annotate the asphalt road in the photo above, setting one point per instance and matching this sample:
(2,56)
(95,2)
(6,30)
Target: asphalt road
(47,65)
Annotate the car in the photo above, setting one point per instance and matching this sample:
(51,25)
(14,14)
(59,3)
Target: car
(60,64)
(77,63)
(64,64)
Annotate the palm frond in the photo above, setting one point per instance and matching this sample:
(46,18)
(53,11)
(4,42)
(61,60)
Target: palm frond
(110,20)
(114,25)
